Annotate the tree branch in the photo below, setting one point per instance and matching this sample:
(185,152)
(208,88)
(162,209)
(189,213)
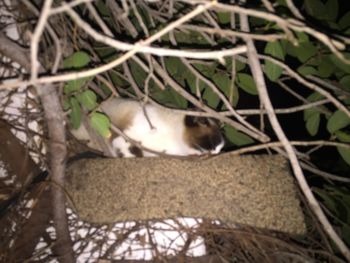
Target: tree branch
(57,147)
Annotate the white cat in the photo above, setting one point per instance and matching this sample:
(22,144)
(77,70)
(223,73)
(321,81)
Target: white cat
(157,129)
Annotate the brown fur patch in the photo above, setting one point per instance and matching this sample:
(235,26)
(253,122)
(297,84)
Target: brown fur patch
(122,121)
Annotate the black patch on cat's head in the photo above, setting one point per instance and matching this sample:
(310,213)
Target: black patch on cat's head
(136,151)
(202,133)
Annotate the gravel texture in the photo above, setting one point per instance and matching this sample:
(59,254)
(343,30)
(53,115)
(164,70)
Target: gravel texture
(256,190)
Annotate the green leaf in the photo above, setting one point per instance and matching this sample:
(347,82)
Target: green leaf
(207,70)
(224,17)
(76,60)
(101,124)
(257,21)
(344,22)
(337,121)
(308,113)
(343,136)
(272,70)
(345,231)
(75,113)
(105,89)
(178,71)
(189,37)
(325,68)
(333,25)
(327,198)
(240,65)
(313,123)
(275,49)
(282,3)
(180,101)
(246,82)
(344,153)
(103,10)
(236,137)
(302,37)
(174,66)
(163,96)
(75,85)
(190,80)
(347,32)
(88,99)
(117,80)
(223,81)
(66,105)
(305,51)
(211,98)
(316,9)
(138,73)
(307,70)
(332,8)
(345,82)
(315,96)
(290,48)
(340,64)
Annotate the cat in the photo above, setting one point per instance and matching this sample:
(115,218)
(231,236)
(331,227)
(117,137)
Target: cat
(154,130)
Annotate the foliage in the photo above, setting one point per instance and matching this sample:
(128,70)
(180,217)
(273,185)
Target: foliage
(309,87)
(78,98)
(309,57)
(232,78)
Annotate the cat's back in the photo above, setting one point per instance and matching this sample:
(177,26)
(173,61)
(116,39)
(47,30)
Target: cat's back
(121,112)
(126,113)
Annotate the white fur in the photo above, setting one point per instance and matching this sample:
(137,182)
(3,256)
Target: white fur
(160,131)
(218,148)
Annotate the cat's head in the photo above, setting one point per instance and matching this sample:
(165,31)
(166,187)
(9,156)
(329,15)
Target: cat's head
(203,134)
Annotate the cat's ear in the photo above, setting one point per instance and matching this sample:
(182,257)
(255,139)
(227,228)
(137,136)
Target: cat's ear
(191,121)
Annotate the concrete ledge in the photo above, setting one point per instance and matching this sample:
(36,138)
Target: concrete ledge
(255,190)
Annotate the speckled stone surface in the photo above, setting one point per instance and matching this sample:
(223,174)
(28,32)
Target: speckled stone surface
(252,190)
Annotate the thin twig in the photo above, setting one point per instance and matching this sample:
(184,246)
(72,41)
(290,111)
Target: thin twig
(138,47)
(34,45)
(232,33)
(143,47)
(308,84)
(52,33)
(294,9)
(99,20)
